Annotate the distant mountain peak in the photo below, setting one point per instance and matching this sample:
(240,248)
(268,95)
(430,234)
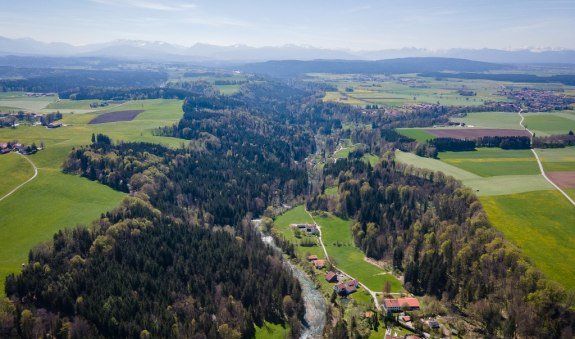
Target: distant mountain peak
(164,51)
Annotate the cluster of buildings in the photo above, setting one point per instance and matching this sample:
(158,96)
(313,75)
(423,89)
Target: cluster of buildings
(7,147)
(13,119)
(316,262)
(309,228)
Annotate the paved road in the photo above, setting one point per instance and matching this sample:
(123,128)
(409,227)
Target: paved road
(24,183)
(373,294)
(541,164)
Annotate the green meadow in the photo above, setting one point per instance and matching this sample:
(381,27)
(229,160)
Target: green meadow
(338,240)
(297,215)
(507,120)
(14,170)
(540,223)
(20,101)
(343,153)
(482,186)
(557,159)
(550,123)
(48,203)
(488,162)
(55,200)
(272,331)
(416,134)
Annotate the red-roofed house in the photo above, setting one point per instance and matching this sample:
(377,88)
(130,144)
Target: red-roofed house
(353,283)
(312,257)
(395,305)
(346,288)
(331,276)
(319,264)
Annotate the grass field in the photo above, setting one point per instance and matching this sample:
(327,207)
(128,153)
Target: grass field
(337,238)
(339,244)
(55,200)
(48,203)
(294,216)
(488,162)
(482,186)
(14,170)
(549,123)
(19,100)
(343,153)
(507,120)
(228,89)
(416,133)
(557,159)
(540,223)
(272,331)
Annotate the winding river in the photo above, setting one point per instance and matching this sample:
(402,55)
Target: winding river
(315,307)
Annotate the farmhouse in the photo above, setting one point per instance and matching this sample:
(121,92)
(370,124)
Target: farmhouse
(312,257)
(331,276)
(319,264)
(346,288)
(54,124)
(309,228)
(395,305)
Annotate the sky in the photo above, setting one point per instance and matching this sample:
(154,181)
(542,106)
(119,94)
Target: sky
(334,24)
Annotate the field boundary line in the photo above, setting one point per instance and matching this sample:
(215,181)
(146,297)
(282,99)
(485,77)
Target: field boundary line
(373,294)
(25,182)
(541,164)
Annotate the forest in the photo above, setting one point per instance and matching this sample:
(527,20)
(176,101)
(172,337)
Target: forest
(140,270)
(435,231)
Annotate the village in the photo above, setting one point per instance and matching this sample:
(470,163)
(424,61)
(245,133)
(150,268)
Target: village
(7,147)
(14,119)
(399,310)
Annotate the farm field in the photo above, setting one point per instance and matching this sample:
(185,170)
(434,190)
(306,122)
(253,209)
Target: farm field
(19,100)
(406,90)
(505,120)
(464,132)
(488,162)
(557,159)
(417,134)
(72,199)
(540,223)
(563,179)
(50,202)
(482,186)
(65,104)
(549,123)
(116,116)
(14,170)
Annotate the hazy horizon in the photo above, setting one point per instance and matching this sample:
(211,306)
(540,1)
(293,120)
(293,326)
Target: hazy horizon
(369,25)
